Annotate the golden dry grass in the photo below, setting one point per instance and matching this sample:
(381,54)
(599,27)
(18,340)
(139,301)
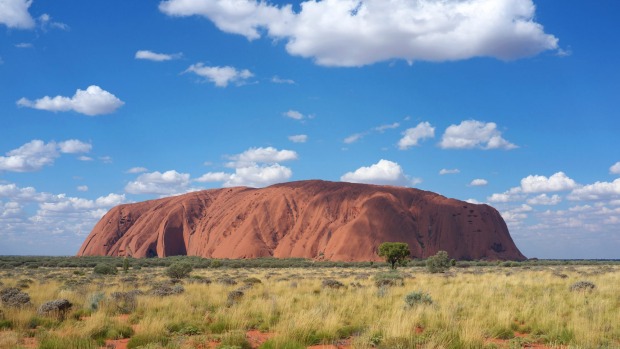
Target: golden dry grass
(476,307)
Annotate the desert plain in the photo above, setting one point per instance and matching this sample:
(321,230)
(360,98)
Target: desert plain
(290,304)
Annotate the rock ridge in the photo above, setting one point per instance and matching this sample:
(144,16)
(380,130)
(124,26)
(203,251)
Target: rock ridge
(315,219)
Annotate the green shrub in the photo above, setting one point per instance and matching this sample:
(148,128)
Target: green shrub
(389,279)
(502,333)
(6,324)
(234,340)
(111,330)
(37,321)
(418,297)
(124,302)
(183,328)
(348,331)
(252,280)
(582,286)
(14,297)
(219,326)
(438,263)
(331,283)
(73,342)
(92,303)
(105,269)
(179,270)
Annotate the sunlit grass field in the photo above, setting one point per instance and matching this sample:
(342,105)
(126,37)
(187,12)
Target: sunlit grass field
(473,307)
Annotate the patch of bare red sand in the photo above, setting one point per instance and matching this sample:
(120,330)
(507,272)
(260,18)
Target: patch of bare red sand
(256,338)
(123,317)
(505,343)
(30,343)
(116,343)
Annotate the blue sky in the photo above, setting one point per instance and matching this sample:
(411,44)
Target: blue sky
(513,103)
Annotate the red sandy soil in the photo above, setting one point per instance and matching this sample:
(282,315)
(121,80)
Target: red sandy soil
(256,338)
(505,343)
(342,344)
(27,342)
(30,343)
(116,343)
(309,219)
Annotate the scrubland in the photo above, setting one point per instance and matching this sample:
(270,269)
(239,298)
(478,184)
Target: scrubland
(357,307)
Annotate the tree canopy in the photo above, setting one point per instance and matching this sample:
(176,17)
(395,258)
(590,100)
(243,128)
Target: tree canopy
(439,263)
(394,252)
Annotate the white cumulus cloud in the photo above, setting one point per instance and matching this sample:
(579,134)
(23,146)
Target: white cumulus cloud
(82,188)
(278,80)
(294,114)
(478,182)
(259,175)
(167,183)
(213,177)
(255,167)
(383,128)
(32,217)
(74,146)
(92,101)
(474,134)
(445,171)
(383,172)
(220,76)
(14,14)
(45,22)
(137,170)
(353,138)
(30,157)
(157,57)
(510,195)
(597,191)
(269,155)
(357,33)
(544,199)
(36,154)
(615,168)
(298,138)
(540,184)
(412,136)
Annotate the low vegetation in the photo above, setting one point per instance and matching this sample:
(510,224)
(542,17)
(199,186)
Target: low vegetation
(358,305)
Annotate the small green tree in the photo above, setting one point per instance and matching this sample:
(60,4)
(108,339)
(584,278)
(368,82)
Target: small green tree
(394,252)
(125,264)
(439,263)
(179,270)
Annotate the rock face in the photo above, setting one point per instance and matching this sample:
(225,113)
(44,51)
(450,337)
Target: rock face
(310,219)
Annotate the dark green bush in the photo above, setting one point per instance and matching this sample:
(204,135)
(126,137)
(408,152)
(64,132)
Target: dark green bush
(582,286)
(6,324)
(418,297)
(389,279)
(438,263)
(331,283)
(73,342)
(105,269)
(179,270)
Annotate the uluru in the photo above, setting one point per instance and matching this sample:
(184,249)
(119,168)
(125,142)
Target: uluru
(315,219)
